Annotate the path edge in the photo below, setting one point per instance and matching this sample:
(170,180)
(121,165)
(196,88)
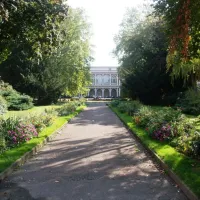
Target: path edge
(185,189)
(21,161)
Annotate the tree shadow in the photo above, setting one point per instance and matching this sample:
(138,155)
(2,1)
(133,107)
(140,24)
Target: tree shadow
(101,168)
(111,166)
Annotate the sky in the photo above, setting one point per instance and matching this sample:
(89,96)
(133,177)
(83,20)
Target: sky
(105,17)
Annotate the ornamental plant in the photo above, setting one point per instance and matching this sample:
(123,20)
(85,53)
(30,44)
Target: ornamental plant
(37,121)
(22,133)
(42,121)
(67,108)
(3,105)
(163,133)
(143,116)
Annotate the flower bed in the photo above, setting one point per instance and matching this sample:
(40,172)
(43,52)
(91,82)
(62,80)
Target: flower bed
(15,131)
(165,125)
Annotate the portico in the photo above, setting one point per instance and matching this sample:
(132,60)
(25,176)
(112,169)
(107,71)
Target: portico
(105,82)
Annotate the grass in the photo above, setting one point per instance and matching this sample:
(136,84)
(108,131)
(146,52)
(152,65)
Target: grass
(34,110)
(10,156)
(186,168)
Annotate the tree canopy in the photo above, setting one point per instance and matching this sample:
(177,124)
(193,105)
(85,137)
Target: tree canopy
(141,47)
(33,23)
(49,54)
(183,30)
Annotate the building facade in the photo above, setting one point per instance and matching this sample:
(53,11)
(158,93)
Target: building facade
(105,82)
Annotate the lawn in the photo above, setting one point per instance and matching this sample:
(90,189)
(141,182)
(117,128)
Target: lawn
(186,168)
(32,111)
(10,156)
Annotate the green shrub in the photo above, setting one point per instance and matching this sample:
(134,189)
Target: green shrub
(15,100)
(20,134)
(9,124)
(190,102)
(188,143)
(5,126)
(143,116)
(82,101)
(19,102)
(129,107)
(42,120)
(115,103)
(133,107)
(2,139)
(68,108)
(123,107)
(170,114)
(3,105)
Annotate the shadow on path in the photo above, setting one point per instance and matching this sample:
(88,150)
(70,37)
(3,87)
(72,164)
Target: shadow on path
(90,160)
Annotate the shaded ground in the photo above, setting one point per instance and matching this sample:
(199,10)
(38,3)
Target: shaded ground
(94,158)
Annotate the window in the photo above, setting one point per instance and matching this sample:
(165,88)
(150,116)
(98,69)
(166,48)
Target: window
(114,80)
(93,79)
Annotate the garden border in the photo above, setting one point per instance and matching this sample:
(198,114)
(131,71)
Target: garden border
(21,161)
(189,194)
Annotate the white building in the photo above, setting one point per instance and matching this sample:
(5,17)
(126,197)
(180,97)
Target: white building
(105,82)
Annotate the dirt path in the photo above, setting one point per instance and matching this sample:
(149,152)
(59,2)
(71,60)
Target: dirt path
(94,158)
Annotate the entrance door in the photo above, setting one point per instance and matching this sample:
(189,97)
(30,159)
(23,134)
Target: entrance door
(114,93)
(99,93)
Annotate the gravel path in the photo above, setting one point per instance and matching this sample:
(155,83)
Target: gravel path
(94,158)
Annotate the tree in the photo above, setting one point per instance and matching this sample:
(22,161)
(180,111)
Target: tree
(183,30)
(142,50)
(32,24)
(67,70)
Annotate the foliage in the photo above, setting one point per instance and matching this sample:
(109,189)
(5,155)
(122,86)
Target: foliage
(162,133)
(15,100)
(68,108)
(19,102)
(22,133)
(17,130)
(167,124)
(133,107)
(143,116)
(122,107)
(3,105)
(141,48)
(9,124)
(129,107)
(188,143)
(115,103)
(34,26)
(183,36)
(65,71)
(42,121)
(189,102)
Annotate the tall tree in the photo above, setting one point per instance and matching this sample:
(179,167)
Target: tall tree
(67,70)
(142,49)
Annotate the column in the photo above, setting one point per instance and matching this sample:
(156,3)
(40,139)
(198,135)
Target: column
(117,92)
(110,90)
(110,79)
(95,79)
(103,92)
(117,80)
(95,92)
